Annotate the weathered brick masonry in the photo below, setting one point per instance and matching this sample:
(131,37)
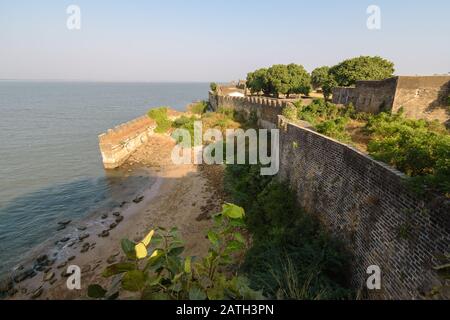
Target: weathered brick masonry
(362,201)
(420,97)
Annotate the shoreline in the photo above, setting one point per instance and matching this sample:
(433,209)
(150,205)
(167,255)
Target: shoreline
(180,196)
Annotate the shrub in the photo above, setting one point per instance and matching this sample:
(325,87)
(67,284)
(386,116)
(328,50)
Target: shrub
(418,148)
(213,86)
(199,107)
(167,275)
(335,129)
(292,257)
(162,120)
(290,112)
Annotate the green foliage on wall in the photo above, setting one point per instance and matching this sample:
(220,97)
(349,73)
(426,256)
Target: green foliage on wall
(419,148)
(292,256)
(349,71)
(162,120)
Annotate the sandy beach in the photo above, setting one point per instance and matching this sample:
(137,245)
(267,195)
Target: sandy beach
(184,196)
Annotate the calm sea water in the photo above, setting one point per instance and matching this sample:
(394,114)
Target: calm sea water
(50,164)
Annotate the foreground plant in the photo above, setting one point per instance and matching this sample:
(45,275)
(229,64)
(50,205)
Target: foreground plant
(167,275)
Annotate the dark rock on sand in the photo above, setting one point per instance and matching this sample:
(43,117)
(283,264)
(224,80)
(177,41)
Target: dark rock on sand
(82,228)
(104,234)
(6,286)
(37,293)
(116,214)
(49,276)
(138,199)
(64,222)
(61,265)
(119,219)
(104,216)
(27,274)
(112,225)
(83,236)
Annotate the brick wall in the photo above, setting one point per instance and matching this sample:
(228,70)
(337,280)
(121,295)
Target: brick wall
(420,97)
(364,202)
(367,204)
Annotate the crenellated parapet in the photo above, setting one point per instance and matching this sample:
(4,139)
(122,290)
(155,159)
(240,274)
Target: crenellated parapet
(117,144)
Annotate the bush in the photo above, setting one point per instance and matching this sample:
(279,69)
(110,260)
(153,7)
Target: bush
(167,275)
(418,148)
(335,129)
(292,256)
(161,118)
(199,107)
(213,86)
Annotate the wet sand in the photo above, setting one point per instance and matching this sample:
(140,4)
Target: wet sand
(184,196)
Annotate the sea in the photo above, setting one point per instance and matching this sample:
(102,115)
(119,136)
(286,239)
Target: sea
(50,163)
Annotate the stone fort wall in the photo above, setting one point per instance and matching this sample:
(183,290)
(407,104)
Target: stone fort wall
(364,202)
(420,97)
(119,143)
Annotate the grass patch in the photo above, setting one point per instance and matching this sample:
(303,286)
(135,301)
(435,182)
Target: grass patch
(161,118)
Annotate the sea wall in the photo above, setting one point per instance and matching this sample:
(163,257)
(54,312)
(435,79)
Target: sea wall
(117,144)
(362,201)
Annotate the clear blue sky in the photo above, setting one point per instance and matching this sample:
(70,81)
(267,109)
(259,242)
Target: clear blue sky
(214,40)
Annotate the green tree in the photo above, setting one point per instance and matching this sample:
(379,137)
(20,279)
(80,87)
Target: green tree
(288,79)
(320,76)
(257,81)
(349,71)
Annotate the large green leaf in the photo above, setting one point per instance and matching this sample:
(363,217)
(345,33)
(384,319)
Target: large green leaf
(96,291)
(233,211)
(213,237)
(176,251)
(128,248)
(196,294)
(133,281)
(118,268)
(234,245)
(187,265)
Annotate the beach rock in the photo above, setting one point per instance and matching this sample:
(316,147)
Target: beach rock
(65,274)
(85,248)
(42,259)
(27,274)
(104,216)
(70,245)
(6,285)
(112,225)
(123,204)
(60,228)
(85,268)
(104,234)
(82,228)
(64,222)
(138,199)
(116,214)
(83,236)
(49,276)
(64,240)
(119,219)
(71,258)
(52,282)
(61,265)
(37,293)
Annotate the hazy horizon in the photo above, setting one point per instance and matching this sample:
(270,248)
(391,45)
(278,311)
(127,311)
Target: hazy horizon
(198,41)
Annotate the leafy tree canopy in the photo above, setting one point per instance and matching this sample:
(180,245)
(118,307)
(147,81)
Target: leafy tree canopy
(349,71)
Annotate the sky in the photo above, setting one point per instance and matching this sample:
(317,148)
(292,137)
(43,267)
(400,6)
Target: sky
(214,40)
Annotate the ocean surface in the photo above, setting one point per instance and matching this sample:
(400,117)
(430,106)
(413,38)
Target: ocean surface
(50,164)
